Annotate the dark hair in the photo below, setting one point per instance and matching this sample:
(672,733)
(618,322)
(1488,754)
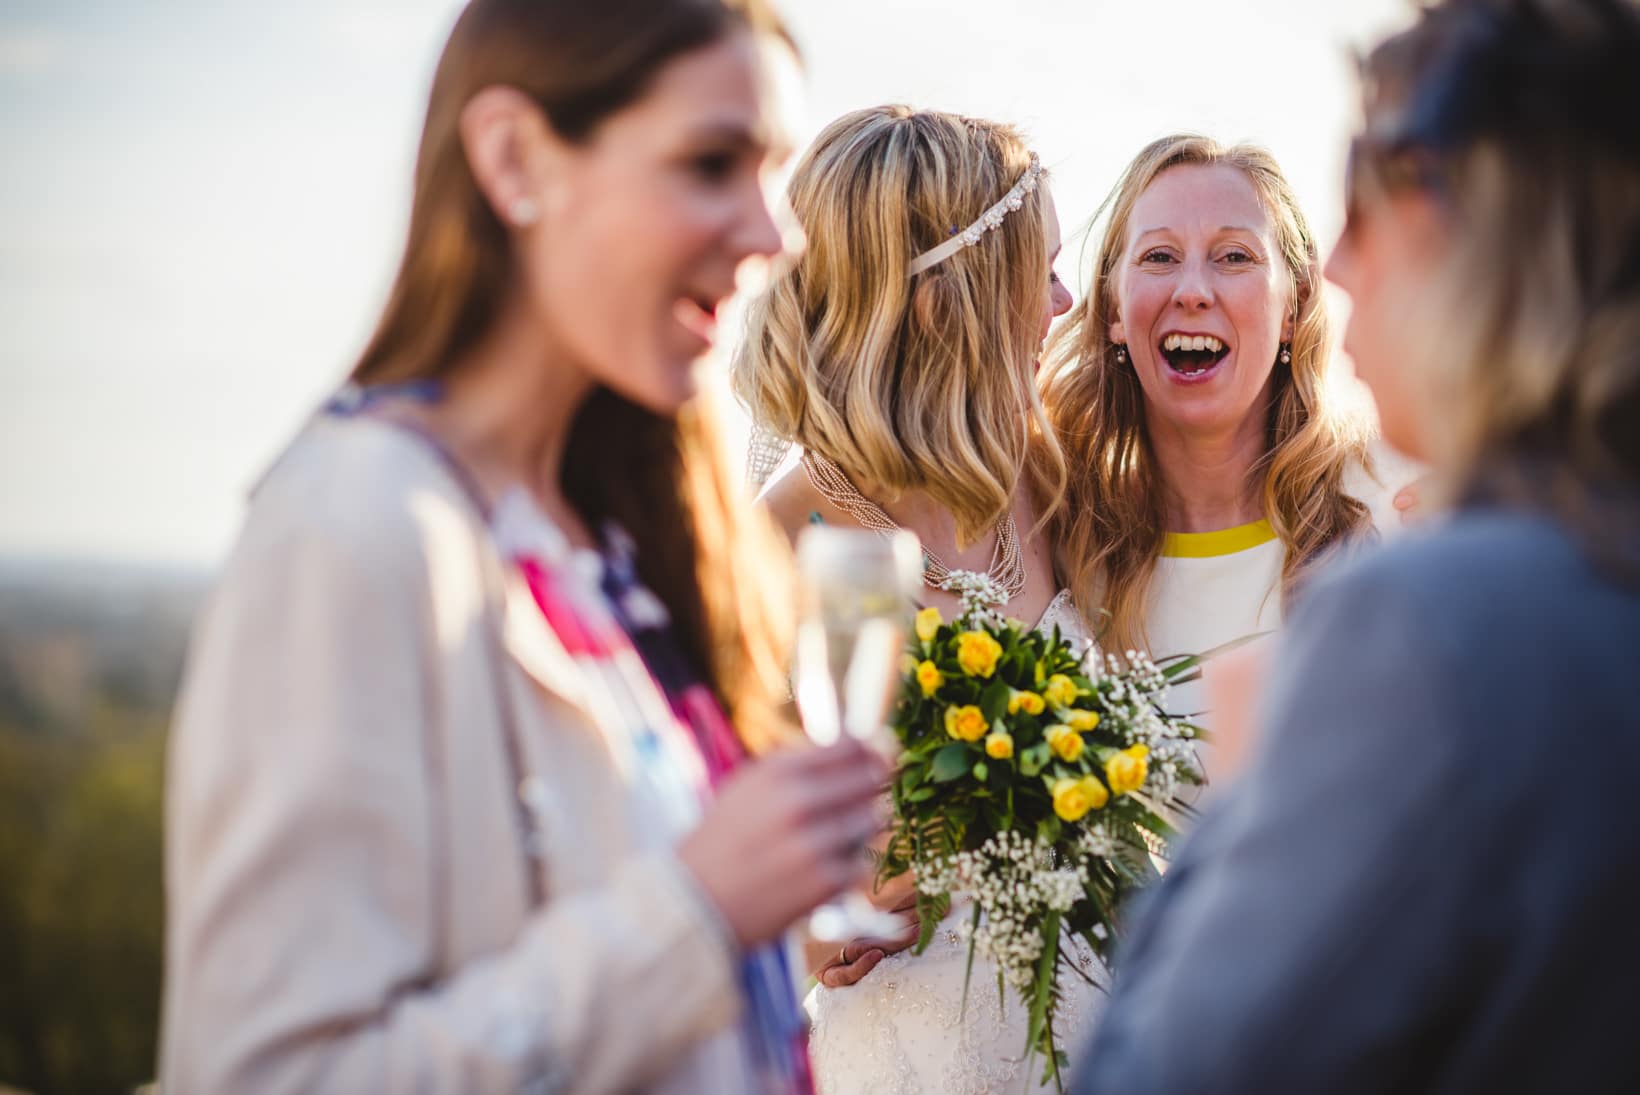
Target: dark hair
(1517,116)
(1550,74)
(699,547)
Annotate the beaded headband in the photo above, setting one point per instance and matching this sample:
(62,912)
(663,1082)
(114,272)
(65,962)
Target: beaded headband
(988,221)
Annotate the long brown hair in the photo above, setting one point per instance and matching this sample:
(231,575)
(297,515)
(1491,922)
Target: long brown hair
(1109,533)
(913,383)
(716,563)
(1517,115)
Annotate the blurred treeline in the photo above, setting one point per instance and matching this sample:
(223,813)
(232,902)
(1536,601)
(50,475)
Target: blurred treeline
(89,662)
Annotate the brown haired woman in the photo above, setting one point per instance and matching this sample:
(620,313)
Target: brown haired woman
(459,797)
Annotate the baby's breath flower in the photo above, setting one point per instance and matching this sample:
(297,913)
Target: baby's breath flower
(981,596)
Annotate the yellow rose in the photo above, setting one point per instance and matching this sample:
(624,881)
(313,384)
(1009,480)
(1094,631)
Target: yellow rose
(999,746)
(1073,798)
(1028,702)
(1066,743)
(977,653)
(1082,721)
(1127,770)
(1096,791)
(929,678)
(966,723)
(928,624)
(1060,690)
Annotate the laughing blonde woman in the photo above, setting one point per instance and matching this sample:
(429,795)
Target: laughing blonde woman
(1215,462)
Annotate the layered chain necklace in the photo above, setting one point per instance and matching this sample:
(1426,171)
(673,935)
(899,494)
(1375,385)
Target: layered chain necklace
(1007,560)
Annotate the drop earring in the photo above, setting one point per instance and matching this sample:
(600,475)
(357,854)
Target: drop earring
(1286,355)
(523,212)
(1121,354)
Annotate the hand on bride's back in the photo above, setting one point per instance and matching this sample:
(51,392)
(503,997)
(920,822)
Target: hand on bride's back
(859,957)
(851,962)
(785,834)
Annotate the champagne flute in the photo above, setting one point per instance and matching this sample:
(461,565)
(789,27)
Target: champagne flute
(856,596)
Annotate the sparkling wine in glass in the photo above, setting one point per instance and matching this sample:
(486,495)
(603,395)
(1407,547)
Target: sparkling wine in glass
(857,593)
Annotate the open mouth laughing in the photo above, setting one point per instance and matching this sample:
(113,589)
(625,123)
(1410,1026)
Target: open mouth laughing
(1192,356)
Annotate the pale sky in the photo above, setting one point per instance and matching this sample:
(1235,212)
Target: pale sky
(202,203)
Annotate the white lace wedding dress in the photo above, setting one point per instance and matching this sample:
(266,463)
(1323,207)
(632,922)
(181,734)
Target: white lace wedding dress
(901,1030)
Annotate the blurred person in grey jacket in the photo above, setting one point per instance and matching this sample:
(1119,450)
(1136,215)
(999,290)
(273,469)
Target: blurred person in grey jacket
(1426,879)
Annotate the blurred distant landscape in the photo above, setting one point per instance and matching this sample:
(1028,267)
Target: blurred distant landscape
(90,657)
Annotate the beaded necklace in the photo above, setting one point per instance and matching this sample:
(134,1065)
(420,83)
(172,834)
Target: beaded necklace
(1007,567)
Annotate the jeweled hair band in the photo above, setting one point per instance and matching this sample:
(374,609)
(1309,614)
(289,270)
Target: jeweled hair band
(989,221)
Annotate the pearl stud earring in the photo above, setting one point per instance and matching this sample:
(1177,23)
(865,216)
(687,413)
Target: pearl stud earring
(523,212)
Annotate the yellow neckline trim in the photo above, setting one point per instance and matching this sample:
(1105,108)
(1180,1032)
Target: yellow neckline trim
(1224,541)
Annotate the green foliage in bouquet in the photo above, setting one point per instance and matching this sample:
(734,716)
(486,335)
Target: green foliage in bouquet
(1035,780)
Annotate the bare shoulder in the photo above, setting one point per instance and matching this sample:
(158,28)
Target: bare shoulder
(792,501)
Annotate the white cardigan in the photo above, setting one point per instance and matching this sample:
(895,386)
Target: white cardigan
(347,905)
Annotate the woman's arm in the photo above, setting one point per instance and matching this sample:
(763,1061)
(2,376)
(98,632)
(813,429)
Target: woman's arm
(304,863)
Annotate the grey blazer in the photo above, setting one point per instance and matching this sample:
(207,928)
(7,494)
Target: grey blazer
(1426,880)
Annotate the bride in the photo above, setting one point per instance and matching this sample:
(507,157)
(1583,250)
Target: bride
(899,357)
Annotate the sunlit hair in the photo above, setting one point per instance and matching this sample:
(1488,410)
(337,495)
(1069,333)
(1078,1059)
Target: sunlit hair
(1109,532)
(920,383)
(1518,117)
(719,566)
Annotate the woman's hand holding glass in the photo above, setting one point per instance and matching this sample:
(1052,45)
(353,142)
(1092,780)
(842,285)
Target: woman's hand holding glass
(785,834)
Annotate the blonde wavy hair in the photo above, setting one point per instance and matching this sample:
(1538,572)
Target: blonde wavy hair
(1518,118)
(1109,532)
(920,383)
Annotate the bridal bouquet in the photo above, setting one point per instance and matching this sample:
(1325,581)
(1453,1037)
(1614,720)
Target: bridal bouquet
(1032,780)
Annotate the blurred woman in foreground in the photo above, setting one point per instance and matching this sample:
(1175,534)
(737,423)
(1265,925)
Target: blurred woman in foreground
(459,794)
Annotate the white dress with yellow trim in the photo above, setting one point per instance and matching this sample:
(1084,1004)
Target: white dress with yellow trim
(1211,588)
